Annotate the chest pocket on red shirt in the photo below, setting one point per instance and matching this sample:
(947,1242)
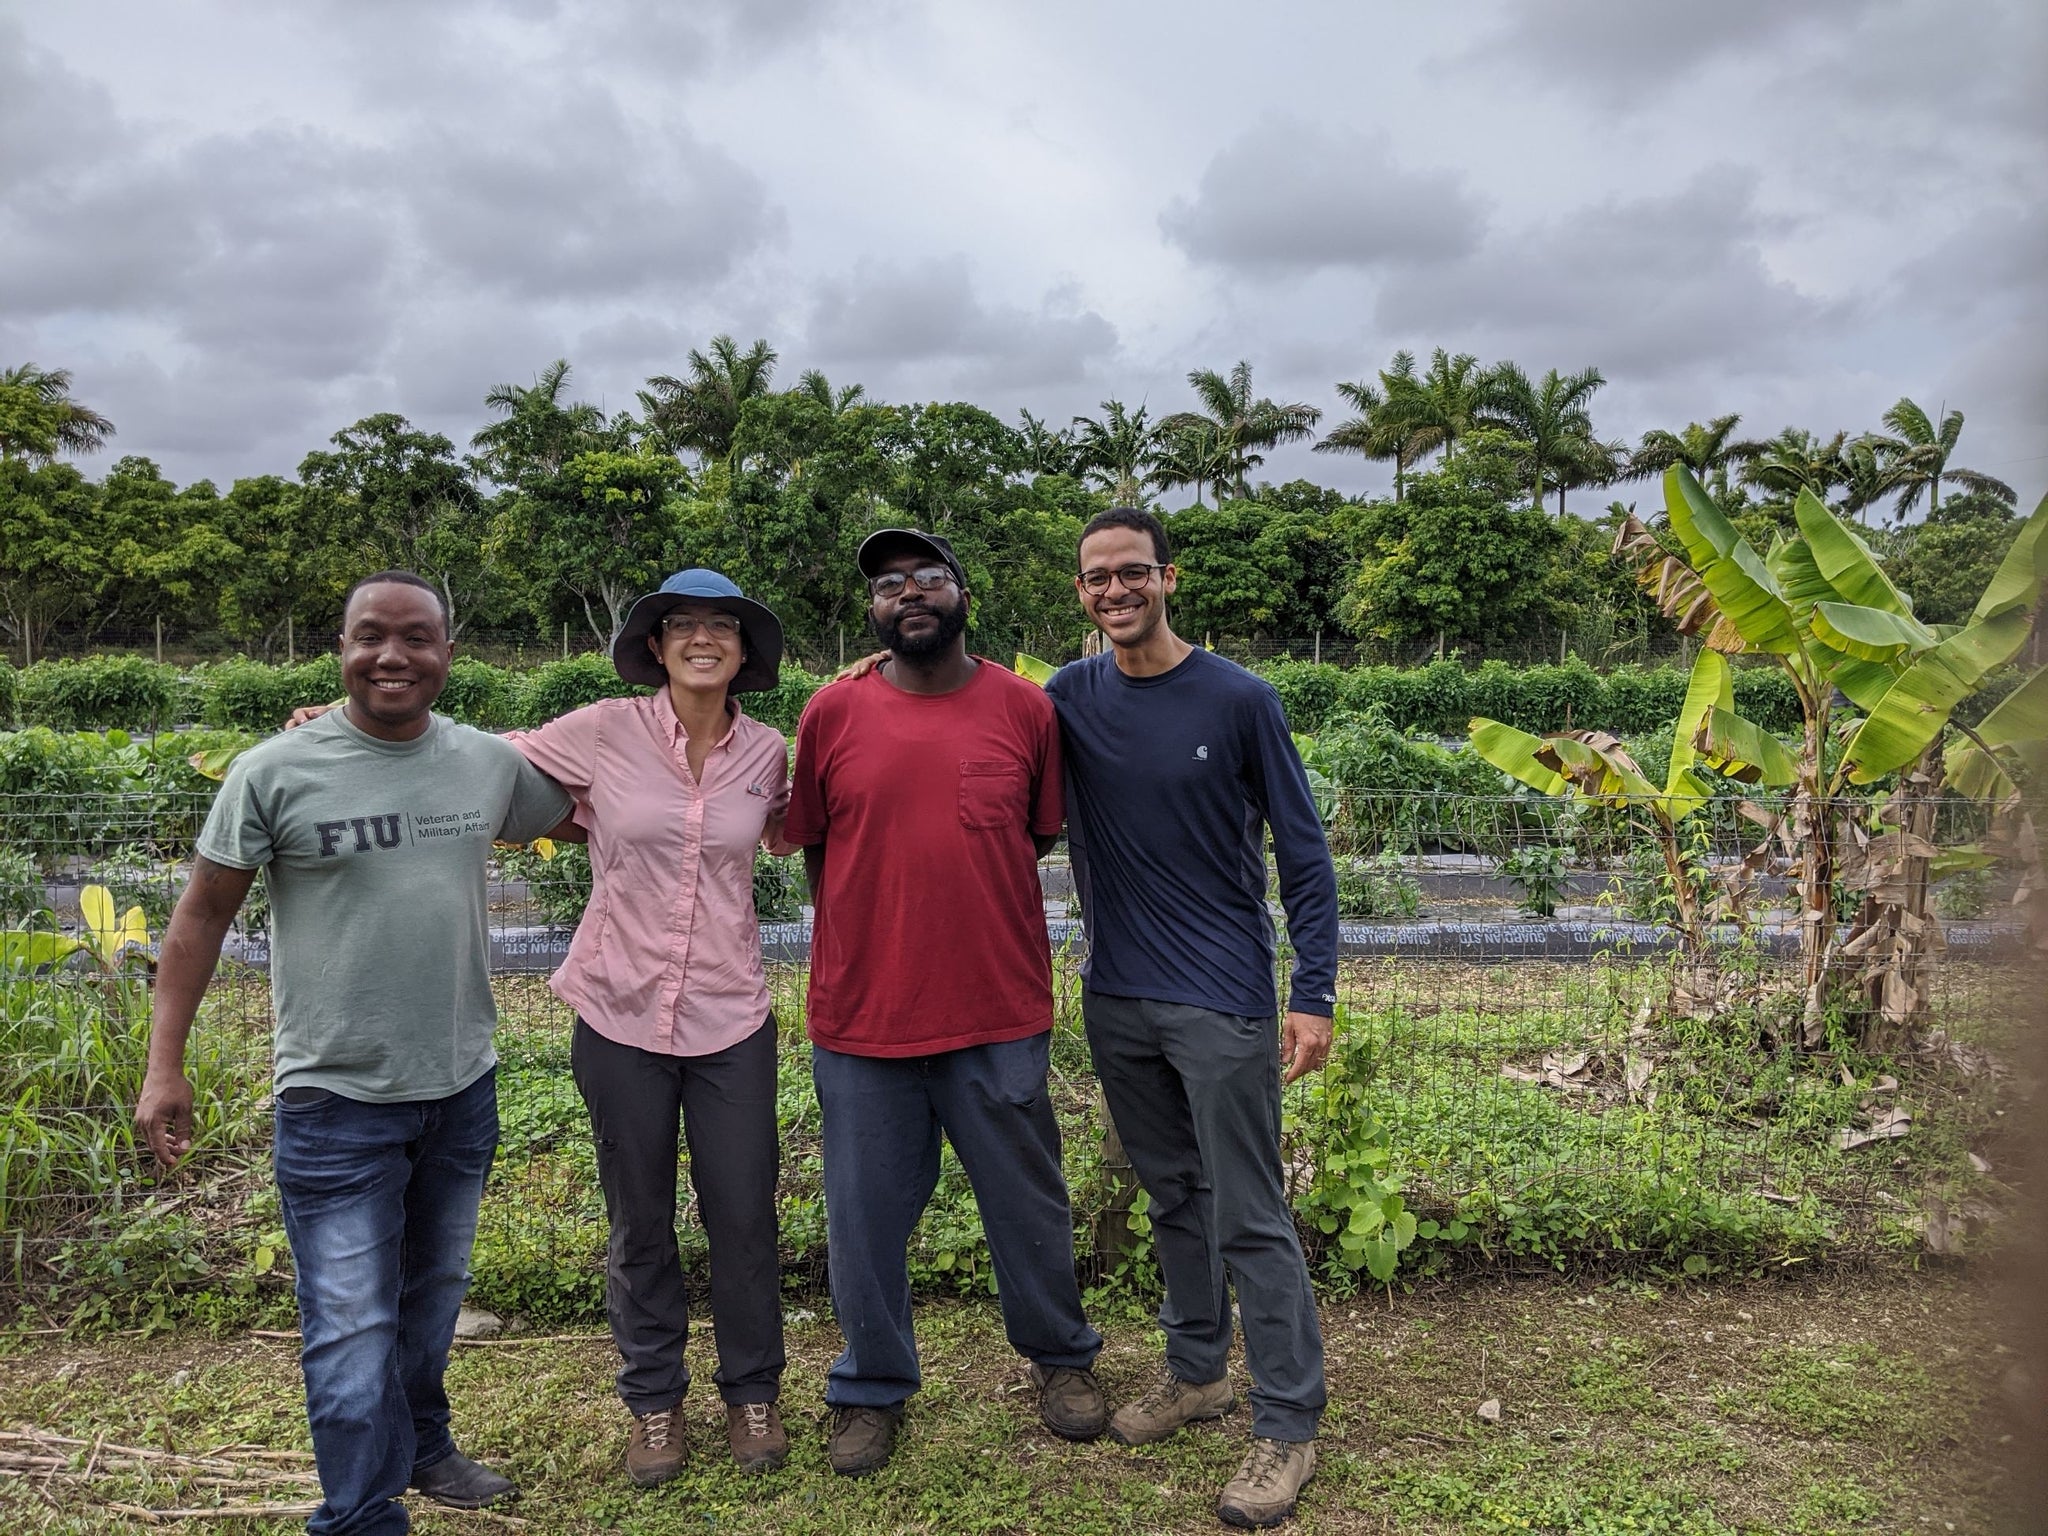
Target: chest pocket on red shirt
(991,795)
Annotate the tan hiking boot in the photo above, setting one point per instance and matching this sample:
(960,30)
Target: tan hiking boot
(1266,1486)
(656,1452)
(1169,1406)
(755,1432)
(862,1439)
(1070,1401)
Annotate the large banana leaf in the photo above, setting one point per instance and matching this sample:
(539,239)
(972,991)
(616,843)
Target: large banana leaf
(2017,584)
(1599,767)
(1916,709)
(1730,568)
(2018,729)
(1845,561)
(1798,576)
(1869,634)
(1711,686)
(1040,672)
(1744,750)
(1513,752)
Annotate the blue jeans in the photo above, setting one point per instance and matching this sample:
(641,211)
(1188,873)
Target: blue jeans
(380,1203)
(883,1117)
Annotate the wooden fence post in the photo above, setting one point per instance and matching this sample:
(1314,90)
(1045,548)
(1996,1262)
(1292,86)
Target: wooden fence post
(291,649)
(159,639)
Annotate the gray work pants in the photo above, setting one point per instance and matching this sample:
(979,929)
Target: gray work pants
(726,1102)
(1196,1099)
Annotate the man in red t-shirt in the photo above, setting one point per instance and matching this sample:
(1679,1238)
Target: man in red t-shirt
(925,793)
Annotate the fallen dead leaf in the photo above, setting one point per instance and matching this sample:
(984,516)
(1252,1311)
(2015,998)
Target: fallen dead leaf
(1490,1410)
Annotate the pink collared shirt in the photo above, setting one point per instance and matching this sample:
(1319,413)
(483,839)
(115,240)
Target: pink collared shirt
(668,955)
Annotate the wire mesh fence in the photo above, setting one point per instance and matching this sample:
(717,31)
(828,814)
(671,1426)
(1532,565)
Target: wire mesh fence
(1506,1047)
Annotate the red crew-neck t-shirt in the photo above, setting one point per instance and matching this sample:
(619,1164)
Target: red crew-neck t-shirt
(930,932)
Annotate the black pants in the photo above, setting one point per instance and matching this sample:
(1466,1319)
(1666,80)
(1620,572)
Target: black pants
(726,1103)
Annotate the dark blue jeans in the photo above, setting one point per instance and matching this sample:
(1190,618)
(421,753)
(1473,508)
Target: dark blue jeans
(883,1117)
(380,1203)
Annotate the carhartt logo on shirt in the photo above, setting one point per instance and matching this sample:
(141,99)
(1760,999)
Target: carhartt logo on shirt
(1202,753)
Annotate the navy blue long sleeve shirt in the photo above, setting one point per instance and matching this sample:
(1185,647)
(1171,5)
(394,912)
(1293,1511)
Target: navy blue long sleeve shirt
(1171,781)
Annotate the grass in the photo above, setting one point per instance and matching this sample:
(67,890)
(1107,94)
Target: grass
(1856,1401)
(1721,1160)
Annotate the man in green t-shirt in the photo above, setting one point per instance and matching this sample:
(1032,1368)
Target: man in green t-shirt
(371,827)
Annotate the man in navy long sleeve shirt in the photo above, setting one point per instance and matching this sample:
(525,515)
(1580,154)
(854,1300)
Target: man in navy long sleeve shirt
(1176,762)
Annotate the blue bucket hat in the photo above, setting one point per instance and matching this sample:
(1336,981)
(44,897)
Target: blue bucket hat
(762,669)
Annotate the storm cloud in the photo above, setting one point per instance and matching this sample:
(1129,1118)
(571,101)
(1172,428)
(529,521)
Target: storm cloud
(242,226)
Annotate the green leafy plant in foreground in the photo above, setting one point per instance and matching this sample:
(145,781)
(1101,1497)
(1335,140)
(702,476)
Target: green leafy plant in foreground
(1356,1198)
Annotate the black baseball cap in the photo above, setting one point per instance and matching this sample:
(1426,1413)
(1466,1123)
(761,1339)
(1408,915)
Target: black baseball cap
(888,543)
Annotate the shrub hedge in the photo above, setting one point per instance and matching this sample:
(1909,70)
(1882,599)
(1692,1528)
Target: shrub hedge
(1442,697)
(131,692)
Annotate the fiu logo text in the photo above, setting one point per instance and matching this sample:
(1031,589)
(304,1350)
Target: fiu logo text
(368,831)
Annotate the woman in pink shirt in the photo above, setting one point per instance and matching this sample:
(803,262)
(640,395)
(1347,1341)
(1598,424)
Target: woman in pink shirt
(676,788)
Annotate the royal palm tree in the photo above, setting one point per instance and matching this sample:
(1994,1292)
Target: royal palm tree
(1709,451)
(1190,453)
(1243,423)
(1383,428)
(813,385)
(1796,460)
(1445,403)
(1114,452)
(701,412)
(1046,452)
(537,431)
(1552,416)
(39,419)
(1919,455)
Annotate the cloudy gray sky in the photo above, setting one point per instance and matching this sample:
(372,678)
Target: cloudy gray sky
(242,225)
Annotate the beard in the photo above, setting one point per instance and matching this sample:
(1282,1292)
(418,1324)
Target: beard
(928,643)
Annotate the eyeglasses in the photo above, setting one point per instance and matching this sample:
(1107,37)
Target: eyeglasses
(929,578)
(720,626)
(1132,576)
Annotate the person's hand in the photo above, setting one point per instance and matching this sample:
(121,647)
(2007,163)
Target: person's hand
(163,1114)
(861,667)
(306,714)
(1304,1044)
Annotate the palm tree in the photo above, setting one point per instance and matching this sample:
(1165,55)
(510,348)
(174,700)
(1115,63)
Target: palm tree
(1796,460)
(1551,416)
(1446,402)
(1113,453)
(1243,424)
(1046,452)
(1920,456)
(538,432)
(1382,429)
(1706,450)
(1191,453)
(813,385)
(702,412)
(47,421)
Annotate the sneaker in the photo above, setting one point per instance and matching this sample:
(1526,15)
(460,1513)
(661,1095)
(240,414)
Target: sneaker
(1266,1486)
(862,1439)
(460,1483)
(656,1452)
(755,1432)
(1169,1406)
(1070,1401)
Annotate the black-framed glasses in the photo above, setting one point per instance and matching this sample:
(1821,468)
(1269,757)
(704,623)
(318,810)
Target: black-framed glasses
(929,578)
(1133,576)
(720,626)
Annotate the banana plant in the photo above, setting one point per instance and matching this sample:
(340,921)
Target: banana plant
(105,937)
(1820,607)
(1592,765)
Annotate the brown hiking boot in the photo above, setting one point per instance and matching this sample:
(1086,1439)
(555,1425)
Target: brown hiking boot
(1169,1406)
(1070,1401)
(755,1431)
(1266,1486)
(862,1439)
(656,1452)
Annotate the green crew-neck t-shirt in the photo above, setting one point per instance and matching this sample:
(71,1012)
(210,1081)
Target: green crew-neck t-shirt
(374,855)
